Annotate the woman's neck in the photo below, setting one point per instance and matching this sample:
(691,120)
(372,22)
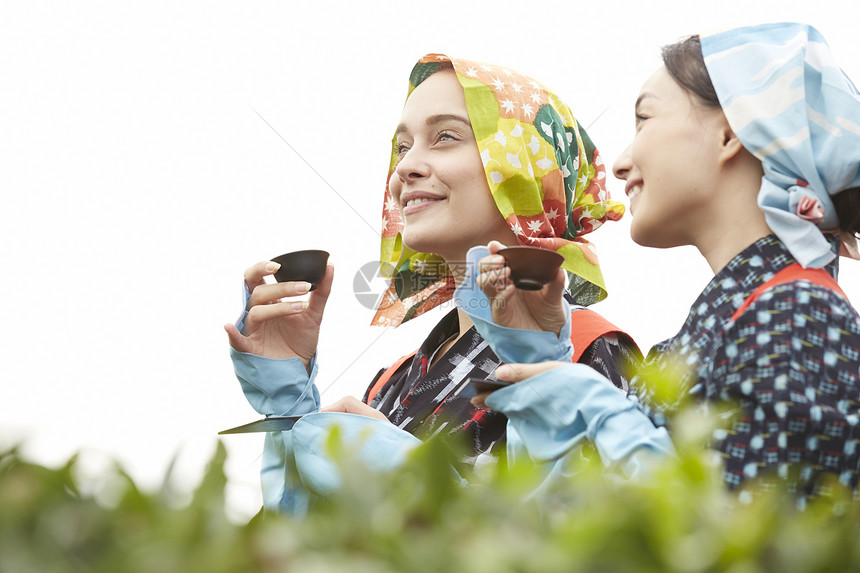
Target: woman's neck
(458,271)
(464,324)
(733,225)
(733,220)
(727,241)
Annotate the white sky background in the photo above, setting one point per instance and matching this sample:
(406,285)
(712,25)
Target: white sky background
(138,183)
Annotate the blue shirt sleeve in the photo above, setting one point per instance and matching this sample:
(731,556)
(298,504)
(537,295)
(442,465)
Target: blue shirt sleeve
(278,387)
(274,387)
(298,465)
(552,412)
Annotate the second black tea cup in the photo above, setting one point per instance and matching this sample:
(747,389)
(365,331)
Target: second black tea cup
(531,267)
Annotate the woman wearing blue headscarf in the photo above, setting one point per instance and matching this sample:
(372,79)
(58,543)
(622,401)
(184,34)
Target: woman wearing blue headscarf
(747,147)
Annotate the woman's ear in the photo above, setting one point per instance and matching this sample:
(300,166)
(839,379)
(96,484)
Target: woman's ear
(731,145)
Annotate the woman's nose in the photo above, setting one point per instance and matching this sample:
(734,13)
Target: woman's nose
(623,164)
(412,165)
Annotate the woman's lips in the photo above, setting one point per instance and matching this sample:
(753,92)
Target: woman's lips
(634,192)
(419,204)
(633,189)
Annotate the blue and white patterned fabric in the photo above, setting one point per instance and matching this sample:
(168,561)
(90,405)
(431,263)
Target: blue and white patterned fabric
(794,109)
(790,366)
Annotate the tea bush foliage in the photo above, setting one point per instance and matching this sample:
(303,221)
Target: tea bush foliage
(423,518)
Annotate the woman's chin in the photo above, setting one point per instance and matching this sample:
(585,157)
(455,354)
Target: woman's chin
(650,237)
(420,242)
(642,234)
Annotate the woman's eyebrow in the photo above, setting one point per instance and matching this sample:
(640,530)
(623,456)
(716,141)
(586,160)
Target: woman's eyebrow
(438,118)
(643,96)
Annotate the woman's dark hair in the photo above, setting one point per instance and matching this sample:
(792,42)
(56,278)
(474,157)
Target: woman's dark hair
(424,70)
(685,63)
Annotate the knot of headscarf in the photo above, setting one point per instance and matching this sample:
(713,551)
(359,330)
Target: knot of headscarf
(544,173)
(794,109)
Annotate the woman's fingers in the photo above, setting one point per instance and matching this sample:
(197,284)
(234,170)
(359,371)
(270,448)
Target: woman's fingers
(351,405)
(490,263)
(263,312)
(255,275)
(494,247)
(493,275)
(493,272)
(263,293)
(269,293)
(237,341)
(319,296)
(519,372)
(514,373)
(554,290)
(478,400)
(495,281)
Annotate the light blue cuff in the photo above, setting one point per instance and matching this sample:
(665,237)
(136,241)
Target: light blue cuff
(283,490)
(246,297)
(274,387)
(277,387)
(511,345)
(628,441)
(379,445)
(555,410)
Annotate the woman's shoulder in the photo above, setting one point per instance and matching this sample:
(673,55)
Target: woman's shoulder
(804,304)
(616,356)
(806,295)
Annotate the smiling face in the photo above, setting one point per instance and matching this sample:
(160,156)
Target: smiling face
(673,165)
(439,183)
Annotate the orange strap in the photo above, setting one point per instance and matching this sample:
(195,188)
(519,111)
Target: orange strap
(791,273)
(586,327)
(386,376)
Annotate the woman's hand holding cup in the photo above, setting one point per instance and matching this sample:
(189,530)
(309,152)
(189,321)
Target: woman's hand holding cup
(517,308)
(275,326)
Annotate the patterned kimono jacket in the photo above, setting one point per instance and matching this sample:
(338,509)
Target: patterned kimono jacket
(790,364)
(419,398)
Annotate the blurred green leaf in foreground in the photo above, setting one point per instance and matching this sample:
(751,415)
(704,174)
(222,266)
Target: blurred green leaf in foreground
(422,518)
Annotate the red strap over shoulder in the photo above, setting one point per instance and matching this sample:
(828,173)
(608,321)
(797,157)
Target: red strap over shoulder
(791,273)
(586,326)
(386,376)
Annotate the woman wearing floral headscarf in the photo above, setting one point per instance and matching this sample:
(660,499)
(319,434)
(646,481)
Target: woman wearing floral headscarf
(481,154)
(747,146)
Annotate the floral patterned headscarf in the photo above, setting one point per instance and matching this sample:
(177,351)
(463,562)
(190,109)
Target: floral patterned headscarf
(546,177)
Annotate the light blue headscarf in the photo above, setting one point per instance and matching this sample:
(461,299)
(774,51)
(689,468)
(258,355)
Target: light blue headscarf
(794,109)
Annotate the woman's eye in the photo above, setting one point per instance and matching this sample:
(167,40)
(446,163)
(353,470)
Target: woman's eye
(640,118)
(444,136)
(402,148)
